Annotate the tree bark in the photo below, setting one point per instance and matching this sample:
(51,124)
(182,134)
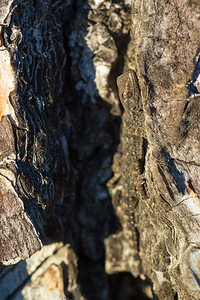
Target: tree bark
(167,58)
(99,171)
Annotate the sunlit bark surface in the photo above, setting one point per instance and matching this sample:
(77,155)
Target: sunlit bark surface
(99,193)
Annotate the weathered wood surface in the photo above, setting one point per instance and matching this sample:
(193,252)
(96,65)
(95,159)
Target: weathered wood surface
(60,135)
(165,58)
(32,57)
(43,106)
(166,35)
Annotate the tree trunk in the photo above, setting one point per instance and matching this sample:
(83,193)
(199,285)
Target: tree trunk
(99,171)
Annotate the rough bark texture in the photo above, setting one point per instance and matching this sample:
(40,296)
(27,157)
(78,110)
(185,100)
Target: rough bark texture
(99,175)
(31,159)
(167,62)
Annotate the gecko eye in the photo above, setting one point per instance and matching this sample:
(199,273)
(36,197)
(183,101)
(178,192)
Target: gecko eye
(127,94)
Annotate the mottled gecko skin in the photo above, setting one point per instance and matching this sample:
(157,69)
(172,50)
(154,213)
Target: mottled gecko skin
(133,150)
(133,130)
(128,82)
